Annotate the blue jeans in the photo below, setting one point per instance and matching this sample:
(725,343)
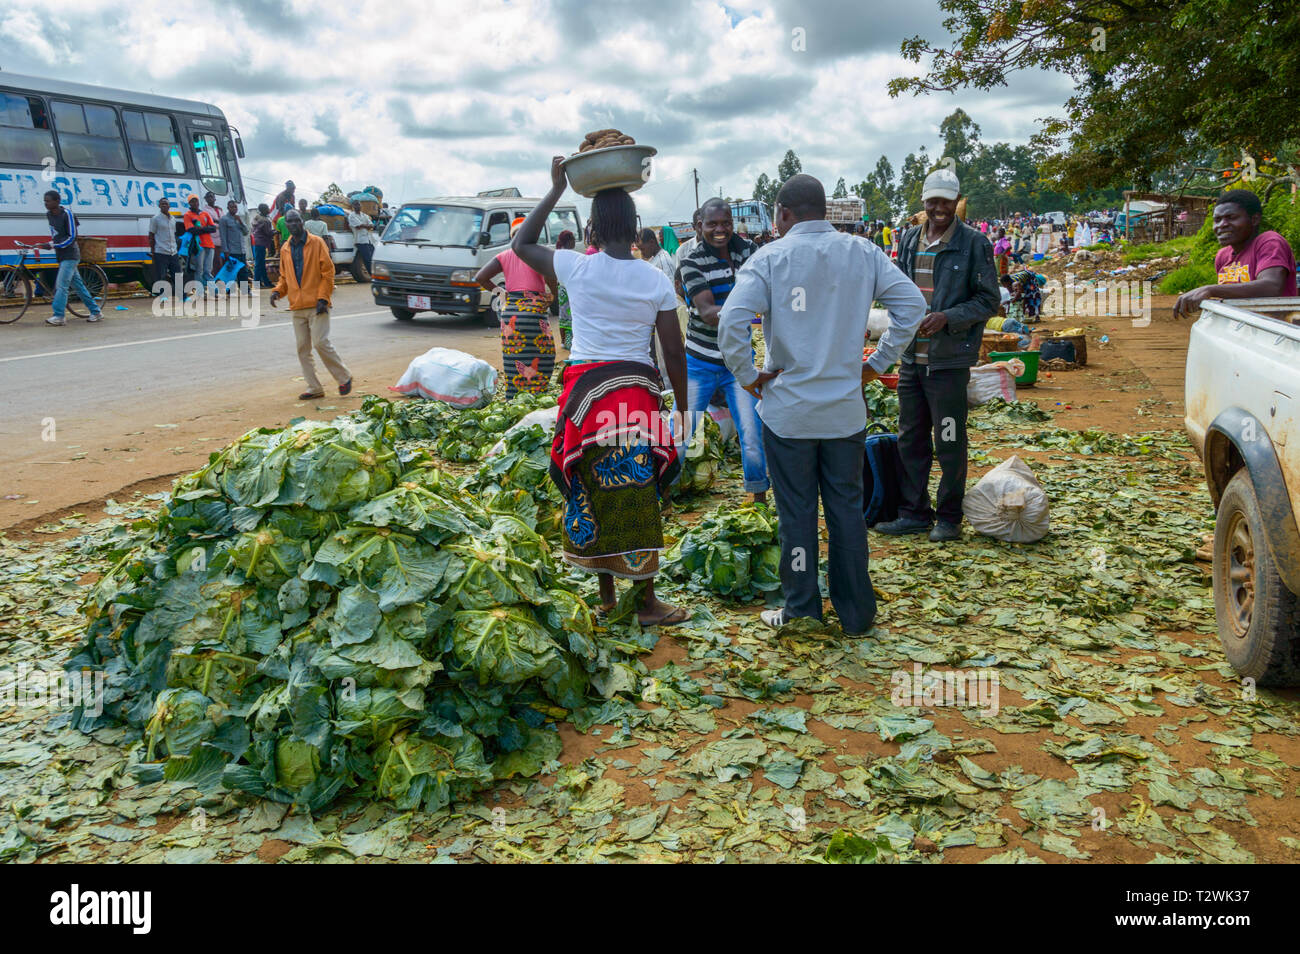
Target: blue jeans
(259,266)
(705,377)
(204,265)
(68,280)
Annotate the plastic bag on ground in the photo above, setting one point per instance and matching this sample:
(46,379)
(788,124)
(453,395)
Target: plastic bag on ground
(1008,504)
(455,377)
(726,423)
(995,380)
(545,417)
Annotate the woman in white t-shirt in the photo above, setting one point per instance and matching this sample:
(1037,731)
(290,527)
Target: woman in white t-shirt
(613,455)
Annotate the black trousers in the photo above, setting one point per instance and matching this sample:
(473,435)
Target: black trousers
(165,268)
(799,469)
(932,424)
(366,252)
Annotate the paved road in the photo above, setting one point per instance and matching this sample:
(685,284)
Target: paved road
(111,388)
(133,354)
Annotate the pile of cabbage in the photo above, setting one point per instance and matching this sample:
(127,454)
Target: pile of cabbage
(734,552)
(323,610)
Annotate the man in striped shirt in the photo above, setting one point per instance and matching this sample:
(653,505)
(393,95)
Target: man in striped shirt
(708,274)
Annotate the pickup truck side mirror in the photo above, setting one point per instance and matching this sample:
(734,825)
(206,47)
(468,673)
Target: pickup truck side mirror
(484,239)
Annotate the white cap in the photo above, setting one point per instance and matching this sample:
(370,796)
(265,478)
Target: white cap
(941,184)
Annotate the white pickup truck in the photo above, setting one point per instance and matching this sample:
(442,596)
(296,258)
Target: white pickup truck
(1242,388)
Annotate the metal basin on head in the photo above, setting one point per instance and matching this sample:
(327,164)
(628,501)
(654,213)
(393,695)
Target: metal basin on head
(615,167)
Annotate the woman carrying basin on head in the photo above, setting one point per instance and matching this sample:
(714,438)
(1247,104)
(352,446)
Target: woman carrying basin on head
(613,451)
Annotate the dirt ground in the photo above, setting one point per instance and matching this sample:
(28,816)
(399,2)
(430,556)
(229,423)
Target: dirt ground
(1132,384)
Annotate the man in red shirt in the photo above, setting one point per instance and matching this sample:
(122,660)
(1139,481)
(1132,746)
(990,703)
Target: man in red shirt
(200,225)
(1251,263)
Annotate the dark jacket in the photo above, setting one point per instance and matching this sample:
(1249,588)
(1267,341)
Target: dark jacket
(965,289)
(63,234)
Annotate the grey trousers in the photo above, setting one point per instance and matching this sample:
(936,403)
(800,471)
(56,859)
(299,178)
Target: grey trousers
(799,469)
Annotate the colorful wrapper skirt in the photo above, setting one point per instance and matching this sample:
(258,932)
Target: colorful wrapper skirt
(527,344)
(610,464)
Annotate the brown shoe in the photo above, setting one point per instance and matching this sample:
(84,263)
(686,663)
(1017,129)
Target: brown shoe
(310,395)
(346,387)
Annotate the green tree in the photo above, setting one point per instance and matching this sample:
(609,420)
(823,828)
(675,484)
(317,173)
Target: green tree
(789,166)
(841,191)
(960,135)
(885,190)
(872,201)
(910,179)
(1156,82)
(765,189)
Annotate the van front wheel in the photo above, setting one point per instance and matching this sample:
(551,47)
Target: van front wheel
(1258,617)
(402,314)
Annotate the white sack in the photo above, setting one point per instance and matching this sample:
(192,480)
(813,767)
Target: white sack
(877,322)
(995,380)
(1008,504)
(455,377)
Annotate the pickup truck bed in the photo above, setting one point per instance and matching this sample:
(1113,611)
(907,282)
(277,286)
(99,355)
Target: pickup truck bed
(1242,385)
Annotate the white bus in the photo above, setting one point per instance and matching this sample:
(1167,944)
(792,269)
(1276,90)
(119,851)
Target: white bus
(111,154)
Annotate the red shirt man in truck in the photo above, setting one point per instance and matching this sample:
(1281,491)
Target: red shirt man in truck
(1251,263)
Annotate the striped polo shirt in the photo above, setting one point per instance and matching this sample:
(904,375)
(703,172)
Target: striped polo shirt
(702,269)
(923,276)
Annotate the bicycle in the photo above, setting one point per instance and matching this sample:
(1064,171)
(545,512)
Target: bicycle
(17,281)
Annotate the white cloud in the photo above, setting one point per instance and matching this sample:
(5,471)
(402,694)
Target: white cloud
(435,98)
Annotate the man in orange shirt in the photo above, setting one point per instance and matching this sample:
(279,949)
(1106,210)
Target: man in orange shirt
(201,225)
(307,277)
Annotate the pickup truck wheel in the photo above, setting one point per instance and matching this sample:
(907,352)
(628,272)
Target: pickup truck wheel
(1259,618)
(358,270)
(402,314)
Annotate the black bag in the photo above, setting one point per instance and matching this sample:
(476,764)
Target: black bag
(881,468)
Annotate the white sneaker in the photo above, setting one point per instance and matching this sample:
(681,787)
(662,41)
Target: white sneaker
(774,618)
(56,322)
(95,317)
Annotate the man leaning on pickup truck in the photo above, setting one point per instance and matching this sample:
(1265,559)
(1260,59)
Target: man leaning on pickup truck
(1251,263)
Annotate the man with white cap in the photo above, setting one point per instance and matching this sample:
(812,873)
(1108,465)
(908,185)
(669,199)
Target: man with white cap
(952,264)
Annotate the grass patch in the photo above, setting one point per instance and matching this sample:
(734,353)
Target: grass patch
(1186,278)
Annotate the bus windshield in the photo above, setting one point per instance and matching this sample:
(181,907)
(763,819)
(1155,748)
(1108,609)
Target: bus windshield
(446,225)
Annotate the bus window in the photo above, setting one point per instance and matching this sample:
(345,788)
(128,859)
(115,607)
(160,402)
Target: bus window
(89,136)
(212,172)
(25,137)
(154,144)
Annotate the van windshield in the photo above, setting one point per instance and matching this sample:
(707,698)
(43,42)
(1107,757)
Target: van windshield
(447,225)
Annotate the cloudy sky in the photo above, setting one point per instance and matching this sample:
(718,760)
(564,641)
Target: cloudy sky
(447,97)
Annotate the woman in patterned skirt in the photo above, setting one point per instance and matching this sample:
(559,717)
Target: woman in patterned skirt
(613,455)
(527,344)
